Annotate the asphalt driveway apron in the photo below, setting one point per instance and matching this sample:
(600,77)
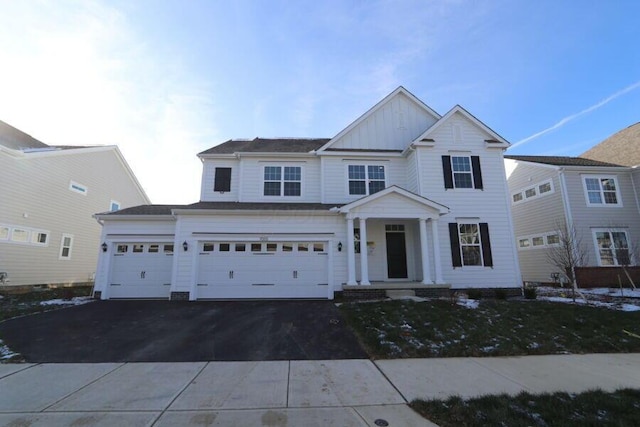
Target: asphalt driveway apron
(172,331)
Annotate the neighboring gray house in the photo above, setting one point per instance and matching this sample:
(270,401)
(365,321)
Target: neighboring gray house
(48,196)
(550,194)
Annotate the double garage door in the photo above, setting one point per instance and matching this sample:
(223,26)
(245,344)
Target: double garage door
(141,270)
(262,270)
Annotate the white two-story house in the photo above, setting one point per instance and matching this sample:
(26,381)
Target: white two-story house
(403,197)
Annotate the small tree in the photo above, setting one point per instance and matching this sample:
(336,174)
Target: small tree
(568,254)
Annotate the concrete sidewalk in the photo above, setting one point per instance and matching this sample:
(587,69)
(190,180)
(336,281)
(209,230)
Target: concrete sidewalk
(284,393)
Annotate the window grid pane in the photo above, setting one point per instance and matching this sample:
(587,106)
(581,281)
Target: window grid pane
(292,173)
(291,188)
(272,173)
(356,172)
(375,186)
(357,187)
(272,188)
(376,172)
(462,180)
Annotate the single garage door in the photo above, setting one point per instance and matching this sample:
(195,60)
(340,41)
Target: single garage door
(141,270)
(263,270)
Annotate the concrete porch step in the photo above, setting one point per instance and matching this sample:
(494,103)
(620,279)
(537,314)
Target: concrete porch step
(398,293)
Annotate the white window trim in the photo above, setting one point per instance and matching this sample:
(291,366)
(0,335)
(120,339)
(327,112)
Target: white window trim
(70,236)
(112,202)
(603,204)
(530,238)
(453,172)
(597,249)
(536,187)
(75,187)
(366,179)
(460,244)
(282,181)
(31,232)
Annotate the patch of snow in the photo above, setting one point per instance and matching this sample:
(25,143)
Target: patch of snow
(409,298)
(468,303)
(613,292)
(72,301)
(609,305)
(533,345)
(488,348)
(5,352)
(629,307)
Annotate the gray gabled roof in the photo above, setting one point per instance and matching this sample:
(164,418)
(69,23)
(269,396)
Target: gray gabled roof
(561,161)
(623,147)
(15,139)
(242,206)
(267,145)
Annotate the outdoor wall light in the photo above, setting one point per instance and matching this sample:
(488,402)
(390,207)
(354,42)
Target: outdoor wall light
(339,246)
(104,247)
(185,246)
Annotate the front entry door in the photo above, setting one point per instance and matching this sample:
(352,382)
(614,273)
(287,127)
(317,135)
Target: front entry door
(396,255)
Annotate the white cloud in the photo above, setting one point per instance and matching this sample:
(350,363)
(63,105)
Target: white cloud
(571,117)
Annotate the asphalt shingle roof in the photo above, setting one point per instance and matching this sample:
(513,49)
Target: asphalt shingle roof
(15,139)
(166,209)
(268,145)
(561,161)
(622,148)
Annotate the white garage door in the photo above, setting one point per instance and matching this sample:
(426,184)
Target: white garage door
(141,270)
(262,270)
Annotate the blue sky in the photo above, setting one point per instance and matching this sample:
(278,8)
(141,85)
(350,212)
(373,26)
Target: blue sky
(165,80)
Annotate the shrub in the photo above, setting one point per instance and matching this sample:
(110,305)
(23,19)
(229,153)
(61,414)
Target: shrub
(530,292)
(501,294)
(474,293)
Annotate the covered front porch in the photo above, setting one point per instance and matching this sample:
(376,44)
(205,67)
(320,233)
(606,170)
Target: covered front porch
(392,239)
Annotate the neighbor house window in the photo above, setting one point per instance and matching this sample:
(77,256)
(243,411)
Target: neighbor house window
(366,179)
(78,188)
(612,247)
(222,180)
(19,235)
(462,172)
(65,246)
(523,243)
(4,233)
(517,197)
(553,239)
(538,190)
(470,244)
(114,206)
(601,191)
(282,180)
(39,238)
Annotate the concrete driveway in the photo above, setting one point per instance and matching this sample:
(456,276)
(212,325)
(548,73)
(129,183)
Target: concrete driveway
(172,331)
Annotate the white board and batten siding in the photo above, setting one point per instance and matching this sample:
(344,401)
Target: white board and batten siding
(459,136)
(390,127)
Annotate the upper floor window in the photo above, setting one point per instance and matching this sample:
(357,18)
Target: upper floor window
(601,191)
(612,247)
(222,180)
(540,189)
(78,188)
(462,172)
(114,206)
(366,179)
(282,180)
(65,246)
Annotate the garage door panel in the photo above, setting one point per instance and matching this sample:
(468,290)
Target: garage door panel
(141,270)
(264,270)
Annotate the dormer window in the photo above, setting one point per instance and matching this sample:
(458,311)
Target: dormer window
(222,180)
(366,179)
(282,181)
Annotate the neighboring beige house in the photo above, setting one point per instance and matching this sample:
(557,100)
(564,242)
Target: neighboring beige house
(48,195)
(596,198)
(621,148)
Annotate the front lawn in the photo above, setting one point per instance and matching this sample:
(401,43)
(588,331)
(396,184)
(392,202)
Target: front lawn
(14,305)
(440,328)
(593,408)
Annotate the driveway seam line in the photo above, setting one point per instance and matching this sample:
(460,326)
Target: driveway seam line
(288,382)
(21,370)
(162,412)
(502,375)
(389,381)
(82,388)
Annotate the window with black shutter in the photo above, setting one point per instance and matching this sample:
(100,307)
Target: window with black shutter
(462,172)
(222,180)
(470,244)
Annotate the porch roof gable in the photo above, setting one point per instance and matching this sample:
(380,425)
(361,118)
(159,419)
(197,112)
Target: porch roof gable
(394,202)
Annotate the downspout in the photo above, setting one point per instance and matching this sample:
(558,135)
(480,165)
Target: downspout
(565,199)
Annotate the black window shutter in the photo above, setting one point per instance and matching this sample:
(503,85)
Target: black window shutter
(222,179)
(446,169)
(477,173)
(486,244)
(455,244)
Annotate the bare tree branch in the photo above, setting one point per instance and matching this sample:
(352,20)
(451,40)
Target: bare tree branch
(568,254)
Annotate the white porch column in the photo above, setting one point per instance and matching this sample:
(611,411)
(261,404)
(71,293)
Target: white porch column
(364,264)
(351,257)
(424,250)
(436,251)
